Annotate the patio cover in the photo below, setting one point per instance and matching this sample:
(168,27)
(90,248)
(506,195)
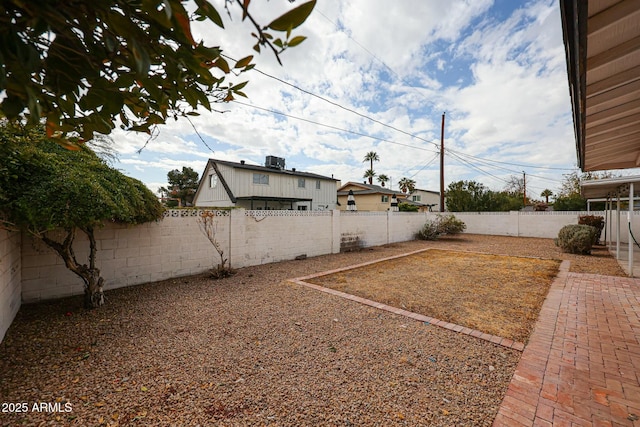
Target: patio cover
(610,187)
(615,190)
(602,45)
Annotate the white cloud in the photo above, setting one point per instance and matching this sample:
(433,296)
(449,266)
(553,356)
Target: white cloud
(496,69)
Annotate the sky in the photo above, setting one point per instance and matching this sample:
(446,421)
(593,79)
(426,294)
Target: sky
(374,75)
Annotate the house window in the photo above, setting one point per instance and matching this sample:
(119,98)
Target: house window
(261,178)
(317,184)
(385,199)
(213,180)
(301,183)
(302,208)
(415,198)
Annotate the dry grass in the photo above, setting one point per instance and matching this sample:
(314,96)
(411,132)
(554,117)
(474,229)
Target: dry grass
(254,349)
(499,295)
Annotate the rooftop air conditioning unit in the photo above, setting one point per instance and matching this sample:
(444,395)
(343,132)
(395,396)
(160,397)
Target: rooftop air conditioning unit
(274,162)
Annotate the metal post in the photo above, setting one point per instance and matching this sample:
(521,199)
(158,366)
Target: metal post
(618,228)
(607,222)
(629,224)
(524,189)
(442,165)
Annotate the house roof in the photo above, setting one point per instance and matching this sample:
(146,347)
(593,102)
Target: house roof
(427,191)
(602,45)
(241,165)
(293,172)
(363,188)
(414,203)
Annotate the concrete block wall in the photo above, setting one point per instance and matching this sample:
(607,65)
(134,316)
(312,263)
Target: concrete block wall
(176,246)
(10,278)
(522,224)
(546,224)
(126,256)
(496,223)
(403,226)
(271,236)
(370,227)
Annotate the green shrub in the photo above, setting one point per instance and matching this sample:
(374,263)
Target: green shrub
(594,221)
(406,207)
(429,231)
(576,238)
(443,224)
(449,224)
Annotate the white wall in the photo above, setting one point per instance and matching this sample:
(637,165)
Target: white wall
(126,256)
(403,226)
(523,224)
(176,246)
(271,236)
(369,226)
(10,278)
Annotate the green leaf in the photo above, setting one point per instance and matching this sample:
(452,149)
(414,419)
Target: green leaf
(239,86)
(294,18)
(12,106)
(296,41)
(244,62)
(222,64)
(141,58)
(204,7)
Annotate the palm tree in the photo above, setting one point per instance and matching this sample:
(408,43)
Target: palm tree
(407,184)
(382,179)
(546,194)
(370,174)
(371,156)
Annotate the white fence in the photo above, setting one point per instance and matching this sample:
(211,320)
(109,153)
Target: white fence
(176,246)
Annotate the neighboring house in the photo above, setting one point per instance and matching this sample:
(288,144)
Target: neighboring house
(231,184)
(426,200)
(368,197)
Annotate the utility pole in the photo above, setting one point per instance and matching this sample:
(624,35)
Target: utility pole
(524,189)
(442,165)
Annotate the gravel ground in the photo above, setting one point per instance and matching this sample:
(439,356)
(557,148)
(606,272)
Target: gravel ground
(254,349)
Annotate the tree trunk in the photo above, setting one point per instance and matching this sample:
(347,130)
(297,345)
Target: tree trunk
(90,275)
(93,288)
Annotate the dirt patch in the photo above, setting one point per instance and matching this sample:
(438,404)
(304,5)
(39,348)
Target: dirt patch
(499,295)
(254,349)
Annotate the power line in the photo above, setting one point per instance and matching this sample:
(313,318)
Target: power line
(425,166)
(487,162)
(384,64)
(330,126)
(422,95)
(513,164)
(393,127)
(453,153)
(364,116)
(471,165)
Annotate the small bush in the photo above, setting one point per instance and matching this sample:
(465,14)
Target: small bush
(449,224)
(576,238)
(429,231)
(594,221)
(443,224)
(406,207)
(221,272)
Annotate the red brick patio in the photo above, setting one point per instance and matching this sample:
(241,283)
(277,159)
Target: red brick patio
(581,366)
